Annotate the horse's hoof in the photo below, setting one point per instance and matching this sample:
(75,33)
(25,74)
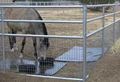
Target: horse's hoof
(12,50)
(21,56)
(16,49)
(48,61)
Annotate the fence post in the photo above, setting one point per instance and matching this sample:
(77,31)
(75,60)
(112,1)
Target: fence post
(119,29)
(3,40)
(114,10)
(103,24)
(84,42)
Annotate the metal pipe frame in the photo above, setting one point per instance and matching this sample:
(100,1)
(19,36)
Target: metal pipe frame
(98,5)
(59,21)
(53,6)
(53,77)
(100,17)
(102,28)
(103,24)
(43,21)
(56,6)
(27,2)
(84,43)
(3,40)
(42,36)
(102,5)
(84,37)
(114,17)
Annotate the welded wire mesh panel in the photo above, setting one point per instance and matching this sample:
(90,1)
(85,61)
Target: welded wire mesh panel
(58,47)
(64,57)
(67,55)
(94,49)
(117,30)
(108,37)
(58,56)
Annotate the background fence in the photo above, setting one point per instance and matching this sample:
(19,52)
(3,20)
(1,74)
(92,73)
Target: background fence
(77,40)
(42,3)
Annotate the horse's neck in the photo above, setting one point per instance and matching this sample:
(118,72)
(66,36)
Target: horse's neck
(8,10)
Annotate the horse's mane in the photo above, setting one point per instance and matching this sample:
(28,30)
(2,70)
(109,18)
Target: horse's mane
(13,0)
(44,29)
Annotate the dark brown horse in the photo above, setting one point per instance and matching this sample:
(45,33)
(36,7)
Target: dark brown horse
(40,44)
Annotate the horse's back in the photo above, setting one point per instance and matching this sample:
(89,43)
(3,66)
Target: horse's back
(24,14)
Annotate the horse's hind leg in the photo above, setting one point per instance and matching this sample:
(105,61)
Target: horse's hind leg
(22,48)
(35,50)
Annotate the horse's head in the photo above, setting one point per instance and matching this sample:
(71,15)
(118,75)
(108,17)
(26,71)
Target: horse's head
(42,47)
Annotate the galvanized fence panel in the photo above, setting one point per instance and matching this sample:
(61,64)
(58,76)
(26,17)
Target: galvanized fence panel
(78,50)
(60,44)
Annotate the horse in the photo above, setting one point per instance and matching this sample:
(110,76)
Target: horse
(41,45)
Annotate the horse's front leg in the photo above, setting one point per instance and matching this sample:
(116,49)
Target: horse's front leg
(35,50)
(12,41)
(22,48)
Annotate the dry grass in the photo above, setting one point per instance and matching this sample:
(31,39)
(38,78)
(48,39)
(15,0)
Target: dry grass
(72,14)
(116,48)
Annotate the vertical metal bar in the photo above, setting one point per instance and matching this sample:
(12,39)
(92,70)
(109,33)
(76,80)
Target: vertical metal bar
(103,24)
(84,42)
(3,39)
(118,29)
(114,23)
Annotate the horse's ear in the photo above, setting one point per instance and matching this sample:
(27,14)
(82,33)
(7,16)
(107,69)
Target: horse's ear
(14,0)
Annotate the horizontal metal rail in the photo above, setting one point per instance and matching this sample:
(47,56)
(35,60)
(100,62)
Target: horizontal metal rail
(53,77)
(52,6)
(42,21)
(98,30)
(42,36)
(103,5)
(41,3)
(100,17)
(58,21)
(57,6)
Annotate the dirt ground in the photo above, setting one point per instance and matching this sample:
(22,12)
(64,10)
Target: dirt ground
(105,70)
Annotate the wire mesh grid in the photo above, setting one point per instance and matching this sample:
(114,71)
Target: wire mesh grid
(57,48)
(66,52)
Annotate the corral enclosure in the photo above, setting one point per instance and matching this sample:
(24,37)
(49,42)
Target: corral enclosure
(76,44)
